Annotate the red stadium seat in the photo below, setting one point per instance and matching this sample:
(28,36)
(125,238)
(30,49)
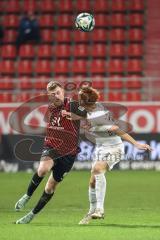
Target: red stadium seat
(45,51)
(63,35)
(23,97)
(81,37)
(101,6)
(79,78)
(6,97)
(61,79)
(6,85)
(98,84)
(48,7)
(135,35)
(136,5)
(136,20)
(134,66)
(118,35)
(8,51)
(118,6)
(13,6)
(25,83)
(118,20)
(99,35)
(116,66)
(133,83)
(43,67)
(61,67)
(115,84)
(10,21)
(135,50)
(7,67)
(98,66)
(97,77)
(83,6)
(40,84)
(99,51)
(44,79)
(25,67)
(79,66)
(2,6)
(65,20)
(27,51)
(102,20)
(46,21)
(133,96)
(115,96)
(62,51)
(30,6)
(81,51)
(10,36)
(117,50)
(47,35)
(65,6)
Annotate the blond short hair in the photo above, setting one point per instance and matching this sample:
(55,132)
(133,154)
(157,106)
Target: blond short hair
(52,85)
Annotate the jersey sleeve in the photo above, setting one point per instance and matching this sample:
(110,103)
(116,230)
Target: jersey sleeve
(77,109)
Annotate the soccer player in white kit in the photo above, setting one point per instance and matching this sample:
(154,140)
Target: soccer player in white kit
(109,149)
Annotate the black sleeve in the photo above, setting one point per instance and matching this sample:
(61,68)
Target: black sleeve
(77,109)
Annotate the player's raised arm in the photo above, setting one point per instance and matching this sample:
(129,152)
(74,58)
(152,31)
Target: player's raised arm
(127,137)
(72,116)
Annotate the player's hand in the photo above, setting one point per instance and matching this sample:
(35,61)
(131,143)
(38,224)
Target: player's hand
(143,147)
(66,114)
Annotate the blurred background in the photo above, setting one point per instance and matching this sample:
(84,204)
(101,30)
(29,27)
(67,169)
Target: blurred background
(120,58)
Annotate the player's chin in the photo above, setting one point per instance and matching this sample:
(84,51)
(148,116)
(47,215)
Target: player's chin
(57,102)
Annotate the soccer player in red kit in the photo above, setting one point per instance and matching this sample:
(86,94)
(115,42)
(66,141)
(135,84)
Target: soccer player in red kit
(60,149)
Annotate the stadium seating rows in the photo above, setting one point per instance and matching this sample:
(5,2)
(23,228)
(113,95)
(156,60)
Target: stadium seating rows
(33,68)
(68,6)
(115,47)
(45,51)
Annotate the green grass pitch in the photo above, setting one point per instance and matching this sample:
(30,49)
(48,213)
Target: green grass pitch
(132,208)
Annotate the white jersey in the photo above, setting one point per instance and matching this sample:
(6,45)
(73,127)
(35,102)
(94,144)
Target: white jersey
(101,120)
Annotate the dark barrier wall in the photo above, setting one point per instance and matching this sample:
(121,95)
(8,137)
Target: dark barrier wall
(134,159)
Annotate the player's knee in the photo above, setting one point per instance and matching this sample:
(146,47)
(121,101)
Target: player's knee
(97,169)
(42,171)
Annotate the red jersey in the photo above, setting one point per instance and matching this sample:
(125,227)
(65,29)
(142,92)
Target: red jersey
(63,134)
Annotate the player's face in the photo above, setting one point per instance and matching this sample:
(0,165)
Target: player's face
(56,96)
(82,103)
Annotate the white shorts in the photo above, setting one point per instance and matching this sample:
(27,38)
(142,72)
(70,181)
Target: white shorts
(110,154)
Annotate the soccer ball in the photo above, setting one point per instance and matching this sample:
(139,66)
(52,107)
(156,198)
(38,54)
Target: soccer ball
(85,22)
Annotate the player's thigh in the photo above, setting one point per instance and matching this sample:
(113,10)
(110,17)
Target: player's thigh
(46,163)
(51,185)
(62,167)
(99,167)
(105,157)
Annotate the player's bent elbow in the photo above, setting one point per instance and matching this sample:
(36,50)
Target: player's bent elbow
(114,128)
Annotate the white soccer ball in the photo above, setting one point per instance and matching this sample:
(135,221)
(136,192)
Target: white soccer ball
(85,22)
